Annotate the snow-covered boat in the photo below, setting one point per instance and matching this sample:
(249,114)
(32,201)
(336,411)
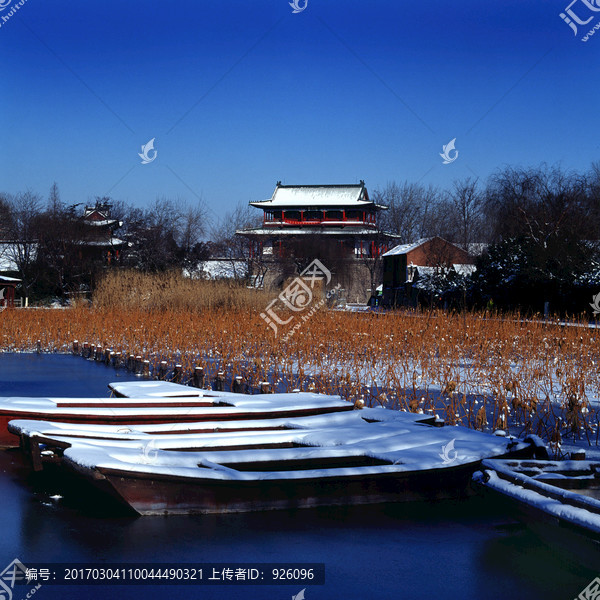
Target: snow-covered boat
(559,500)
(202,406)
(378,456)
(45,441)
(160,389)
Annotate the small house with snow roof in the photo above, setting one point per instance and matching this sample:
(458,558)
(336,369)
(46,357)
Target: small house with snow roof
(406,264)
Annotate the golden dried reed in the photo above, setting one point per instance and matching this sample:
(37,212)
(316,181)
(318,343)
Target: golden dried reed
(540,377)
(171,290)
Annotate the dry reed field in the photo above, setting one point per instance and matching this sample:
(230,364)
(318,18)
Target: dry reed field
(477,370)
(131,289)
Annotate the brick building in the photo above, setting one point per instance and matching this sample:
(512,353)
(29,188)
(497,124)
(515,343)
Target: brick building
(406,264)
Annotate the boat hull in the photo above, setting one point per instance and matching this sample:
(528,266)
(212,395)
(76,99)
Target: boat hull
(149,494)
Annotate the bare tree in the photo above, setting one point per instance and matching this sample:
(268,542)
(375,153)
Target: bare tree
(466,202)
(55,205)
(542,220)
(166,235)
(236,248)
(542,204)
(593,199)
(5,204)
(410,210)
(23,233)
(192,226)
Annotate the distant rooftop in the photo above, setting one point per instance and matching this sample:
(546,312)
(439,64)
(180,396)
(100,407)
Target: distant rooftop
(99,215)
(321,231)
(405,248)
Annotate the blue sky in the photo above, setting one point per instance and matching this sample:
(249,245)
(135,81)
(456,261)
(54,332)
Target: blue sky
(240,94)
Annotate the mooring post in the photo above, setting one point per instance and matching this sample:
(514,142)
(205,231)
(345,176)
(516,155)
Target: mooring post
(265,387)
(107,354)
(198,377)
(36,454)
(238,385)
(146,369)
(75,347)
(162,369)
(86,349)
(39,346)
(99,356)
(177,374)
(138,364)
(219,382)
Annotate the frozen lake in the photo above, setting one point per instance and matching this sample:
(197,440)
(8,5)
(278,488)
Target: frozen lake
(446,550)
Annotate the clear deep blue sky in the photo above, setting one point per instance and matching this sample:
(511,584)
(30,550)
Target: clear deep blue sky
(240,94)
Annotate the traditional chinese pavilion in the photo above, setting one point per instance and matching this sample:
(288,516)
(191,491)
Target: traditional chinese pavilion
(329,222)
(344,213)
(101,239)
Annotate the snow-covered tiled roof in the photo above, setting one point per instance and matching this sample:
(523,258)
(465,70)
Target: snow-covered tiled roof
(111,241)
(288,196)
(465,269)
(292,231)
(477,248)
(225,269)
(104,222)
(405,248)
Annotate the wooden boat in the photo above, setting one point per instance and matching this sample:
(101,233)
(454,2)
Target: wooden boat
(559,500)
(160,389)
(203,406)
(381,456)
(45,441)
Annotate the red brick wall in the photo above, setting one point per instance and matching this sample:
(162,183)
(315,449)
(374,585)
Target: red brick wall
(436,252)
